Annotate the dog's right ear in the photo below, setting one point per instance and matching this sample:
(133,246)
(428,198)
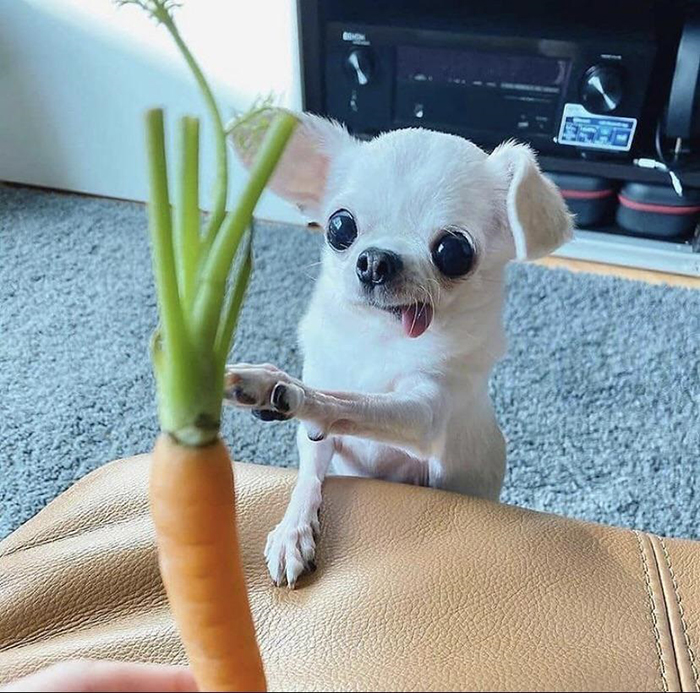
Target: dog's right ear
(302,174)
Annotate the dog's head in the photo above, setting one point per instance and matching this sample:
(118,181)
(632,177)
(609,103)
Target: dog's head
(418,222)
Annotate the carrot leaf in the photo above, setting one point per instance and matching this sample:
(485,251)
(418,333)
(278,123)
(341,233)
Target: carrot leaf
(229,317)
(215,270)
(199,292)
(186,240)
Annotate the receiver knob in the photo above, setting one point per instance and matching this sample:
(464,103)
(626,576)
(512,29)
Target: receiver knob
(360,65)
(602,88)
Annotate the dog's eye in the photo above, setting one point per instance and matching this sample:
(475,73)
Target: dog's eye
(342,230)
(454,254)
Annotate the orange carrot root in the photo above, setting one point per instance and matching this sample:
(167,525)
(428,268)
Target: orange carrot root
(193,508)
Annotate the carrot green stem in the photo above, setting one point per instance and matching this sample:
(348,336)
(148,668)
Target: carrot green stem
(216,265)
(160,224)
(227,326)
(186,239)
(218,211)
(187,407)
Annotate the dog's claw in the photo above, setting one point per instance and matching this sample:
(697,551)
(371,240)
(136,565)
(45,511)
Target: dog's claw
(278,578)
(269,415)
(280,398)
(314,432)
(316,525)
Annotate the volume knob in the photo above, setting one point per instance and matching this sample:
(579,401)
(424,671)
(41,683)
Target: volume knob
(602,88)
(360,65)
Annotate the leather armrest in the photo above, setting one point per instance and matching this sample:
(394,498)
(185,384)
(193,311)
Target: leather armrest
(416,589)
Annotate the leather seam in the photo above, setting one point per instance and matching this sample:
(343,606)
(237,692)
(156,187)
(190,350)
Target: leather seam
(681,613)
(667,607)
(652,610)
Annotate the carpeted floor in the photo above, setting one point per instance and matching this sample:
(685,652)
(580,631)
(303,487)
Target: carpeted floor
(599,396)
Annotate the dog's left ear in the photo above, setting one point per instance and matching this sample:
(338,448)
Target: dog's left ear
(536,213)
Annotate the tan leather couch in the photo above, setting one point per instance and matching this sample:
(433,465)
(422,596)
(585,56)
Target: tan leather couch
(416,590)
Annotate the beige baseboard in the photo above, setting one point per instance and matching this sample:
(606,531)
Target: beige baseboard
(624,272)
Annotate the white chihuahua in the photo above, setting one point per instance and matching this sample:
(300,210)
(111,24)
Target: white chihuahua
(405,323)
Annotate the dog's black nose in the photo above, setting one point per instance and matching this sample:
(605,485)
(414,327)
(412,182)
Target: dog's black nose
(375,266)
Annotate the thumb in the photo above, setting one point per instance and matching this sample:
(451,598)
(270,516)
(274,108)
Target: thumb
(106,676)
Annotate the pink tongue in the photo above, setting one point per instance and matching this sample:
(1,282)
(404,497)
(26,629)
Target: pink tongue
(416,319)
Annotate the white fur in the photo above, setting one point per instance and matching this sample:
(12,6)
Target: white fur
(382,404)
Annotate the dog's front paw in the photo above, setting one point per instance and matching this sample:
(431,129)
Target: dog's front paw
(290,551)
(270,393)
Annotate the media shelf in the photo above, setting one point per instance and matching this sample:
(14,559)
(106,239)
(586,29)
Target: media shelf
(610,246)
(614,245)
(623,171)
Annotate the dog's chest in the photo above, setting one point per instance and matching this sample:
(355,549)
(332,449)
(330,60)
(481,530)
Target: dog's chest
(368,357)
(356,361)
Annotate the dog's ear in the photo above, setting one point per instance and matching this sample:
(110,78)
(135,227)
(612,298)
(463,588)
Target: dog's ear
(302,174)
(536,213)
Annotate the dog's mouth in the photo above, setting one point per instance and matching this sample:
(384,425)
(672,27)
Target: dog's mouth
(415,317)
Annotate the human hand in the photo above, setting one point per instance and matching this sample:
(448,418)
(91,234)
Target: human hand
(81,676)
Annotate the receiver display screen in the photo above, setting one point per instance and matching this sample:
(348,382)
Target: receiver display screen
(474,68)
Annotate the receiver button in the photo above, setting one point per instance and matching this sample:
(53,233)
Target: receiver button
(602,88)
(360,65)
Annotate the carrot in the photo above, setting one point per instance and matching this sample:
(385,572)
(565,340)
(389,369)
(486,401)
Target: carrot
(200,289)
(192,504)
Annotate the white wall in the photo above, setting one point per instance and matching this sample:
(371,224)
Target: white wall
(77,75)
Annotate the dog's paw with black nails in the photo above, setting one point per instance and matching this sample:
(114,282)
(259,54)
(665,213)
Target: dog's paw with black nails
(268,392)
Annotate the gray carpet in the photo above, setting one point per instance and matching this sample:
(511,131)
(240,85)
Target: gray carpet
(599,396)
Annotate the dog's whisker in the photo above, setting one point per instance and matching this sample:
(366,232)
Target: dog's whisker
(437,286)
(426,292)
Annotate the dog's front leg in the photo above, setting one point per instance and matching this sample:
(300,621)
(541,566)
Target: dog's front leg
(405,418)
(408,417)
(291,546)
